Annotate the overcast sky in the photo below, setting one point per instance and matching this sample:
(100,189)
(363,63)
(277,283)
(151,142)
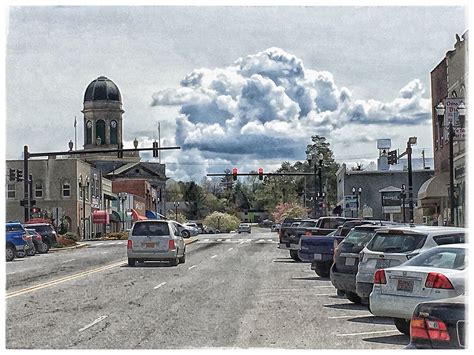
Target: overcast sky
(234,86)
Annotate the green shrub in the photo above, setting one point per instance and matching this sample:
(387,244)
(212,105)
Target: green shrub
(222,221)
(117,236)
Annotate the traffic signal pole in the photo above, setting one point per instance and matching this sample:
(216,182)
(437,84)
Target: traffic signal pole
(26,195)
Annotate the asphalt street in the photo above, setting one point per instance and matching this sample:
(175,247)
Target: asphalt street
(234,291)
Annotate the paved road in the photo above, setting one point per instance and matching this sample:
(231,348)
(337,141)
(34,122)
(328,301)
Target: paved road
(233,291)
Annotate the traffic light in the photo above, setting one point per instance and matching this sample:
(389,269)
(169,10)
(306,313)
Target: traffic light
(260,173)
(392,157)
(120,152)
(11,174)
(19,175)
(234,174)
(155,150)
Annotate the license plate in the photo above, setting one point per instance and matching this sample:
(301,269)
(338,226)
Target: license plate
(382,264)
(350,261)
(318,256)
(405,285)
(149,245)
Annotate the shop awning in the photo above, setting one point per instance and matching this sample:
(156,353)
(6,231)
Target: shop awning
(115,217)
(137,217)
(100,217)
(434,188)
(151,214)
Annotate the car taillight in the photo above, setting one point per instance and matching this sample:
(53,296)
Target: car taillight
(26,237)
(171,244)
(307,233)
(129,244)
(421,328)
(379,277)
(38,237)
(437,280)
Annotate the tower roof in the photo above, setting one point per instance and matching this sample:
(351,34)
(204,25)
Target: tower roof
(102,88)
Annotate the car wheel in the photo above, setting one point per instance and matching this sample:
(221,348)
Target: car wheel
(353,297)
(174,262)
(182,259)
(20,254)
(322,269)
(402,325)
(43,248)
(48,246)
(186,234)
(31,251)
(131,262)
(10,253)
(294,255)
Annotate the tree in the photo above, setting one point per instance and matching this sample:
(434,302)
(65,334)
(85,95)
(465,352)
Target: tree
(222,221)
(284,210)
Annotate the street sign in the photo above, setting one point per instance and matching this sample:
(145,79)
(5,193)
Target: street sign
(459,133)
(391,202)
(452,113)
(351,202)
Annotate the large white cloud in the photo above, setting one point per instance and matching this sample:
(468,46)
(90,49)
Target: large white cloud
(267,105)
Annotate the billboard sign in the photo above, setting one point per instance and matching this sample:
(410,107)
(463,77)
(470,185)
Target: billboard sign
(351,202)
(391,202)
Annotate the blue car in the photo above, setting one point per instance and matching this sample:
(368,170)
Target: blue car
(17,241)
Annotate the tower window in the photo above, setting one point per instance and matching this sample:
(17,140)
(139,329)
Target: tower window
(100,131)
(66,189)
(11,191)
(38,189)
(113,132)
(89,132)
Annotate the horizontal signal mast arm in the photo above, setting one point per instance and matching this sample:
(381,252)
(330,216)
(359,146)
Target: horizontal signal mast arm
(266,174)
(95,151)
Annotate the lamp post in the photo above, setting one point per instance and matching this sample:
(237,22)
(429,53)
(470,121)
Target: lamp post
(403,195)
(440,112)
(83,187)
(318,167)
(411,141)
(176,205)
(359,193)
(123,196)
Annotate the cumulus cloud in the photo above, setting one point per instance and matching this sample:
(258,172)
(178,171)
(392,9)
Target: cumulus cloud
(267,105)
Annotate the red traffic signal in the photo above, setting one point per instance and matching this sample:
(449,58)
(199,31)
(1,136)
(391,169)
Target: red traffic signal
(260,173)
(234,173)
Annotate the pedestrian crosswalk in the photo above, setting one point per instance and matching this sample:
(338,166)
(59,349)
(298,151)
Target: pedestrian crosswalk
(235,240)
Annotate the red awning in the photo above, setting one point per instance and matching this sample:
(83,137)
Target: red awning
(100,217)
(137,217)
(38,220)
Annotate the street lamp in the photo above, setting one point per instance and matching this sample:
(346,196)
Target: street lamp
(359,193)
(317,160)
(123,196)
(83,188)
(402,196)
(411,141)
(440,112)
(176,205)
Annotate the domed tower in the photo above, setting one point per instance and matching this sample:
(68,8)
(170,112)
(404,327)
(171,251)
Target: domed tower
(102,115)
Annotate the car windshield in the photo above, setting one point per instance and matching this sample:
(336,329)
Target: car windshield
(308,224)
(359,236)
(42,228)
(150,229)
(444,258)
(14,228)
(396,242)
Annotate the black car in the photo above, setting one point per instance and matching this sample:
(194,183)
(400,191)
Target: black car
(40,247)
(47,233)
(439,324)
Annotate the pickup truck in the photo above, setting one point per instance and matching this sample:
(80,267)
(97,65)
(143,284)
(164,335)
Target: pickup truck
(319,250)
(290,236)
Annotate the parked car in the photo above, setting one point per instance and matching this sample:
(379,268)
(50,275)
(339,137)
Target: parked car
(275,227)
(245,227)
(40,247)
(435,274)
(346,260)
(48,234)
(211,230)
(395,245)
(439,324)
(198,228)
(185,230)
(17,241)
(155,240)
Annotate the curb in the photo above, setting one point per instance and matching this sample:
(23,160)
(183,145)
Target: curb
(81,245)
(190,240)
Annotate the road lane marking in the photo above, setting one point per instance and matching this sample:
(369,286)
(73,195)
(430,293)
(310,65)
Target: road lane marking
(68,261)
(368,333)
(324,294)
(119,243)
(191,267)
(158,286)
(220,240)
(322,286)
(99,244)
(104,252)
(214,256)
(230,249)
(93,323)
(354,316)
(63,279)
(206,240)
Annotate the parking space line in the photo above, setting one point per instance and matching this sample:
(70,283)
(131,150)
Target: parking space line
(323,294)
(93,323)
(230,249)
(214,256)
(68,261)
(353,316)
(368,333)
(158,286)
(99,244)
(191,267)
(219,239)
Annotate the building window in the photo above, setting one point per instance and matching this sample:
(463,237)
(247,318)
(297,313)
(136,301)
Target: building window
(454,93)
(11,192)
(38,189)
(100,131)
(113,132)
(66,189)
(89,132)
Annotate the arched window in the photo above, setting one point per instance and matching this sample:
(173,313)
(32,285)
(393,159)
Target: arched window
(113,132)
(454,93)
(100,131)
(89,132)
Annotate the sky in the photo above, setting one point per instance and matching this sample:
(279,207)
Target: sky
(241,87)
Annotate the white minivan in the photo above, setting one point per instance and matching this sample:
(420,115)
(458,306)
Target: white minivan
(155,240)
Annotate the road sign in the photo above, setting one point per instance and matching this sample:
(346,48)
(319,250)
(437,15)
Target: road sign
(351,202)
(391,202)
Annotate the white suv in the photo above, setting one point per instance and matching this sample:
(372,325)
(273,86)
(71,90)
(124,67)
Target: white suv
(155,240)
(394,245)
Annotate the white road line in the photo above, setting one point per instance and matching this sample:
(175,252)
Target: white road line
(93,323)
(260,241)
(99,243)
(354,316)
(214,256)
(322,286)
(242,242)
(323,294)
(68,261)
(220,240)
(191,267)
(230,249)
(206,240)
(119,243)
(368,333)
(158,286)
(104,252)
